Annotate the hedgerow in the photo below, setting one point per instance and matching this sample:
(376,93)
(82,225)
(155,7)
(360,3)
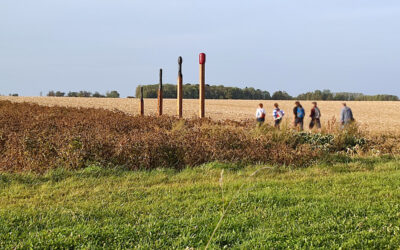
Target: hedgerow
(39,138)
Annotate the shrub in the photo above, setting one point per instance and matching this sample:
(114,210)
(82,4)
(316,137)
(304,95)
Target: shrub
(39,138)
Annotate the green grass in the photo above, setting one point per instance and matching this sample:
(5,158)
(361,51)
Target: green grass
(349,205)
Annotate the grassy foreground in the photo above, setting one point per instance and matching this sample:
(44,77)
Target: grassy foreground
(349,205)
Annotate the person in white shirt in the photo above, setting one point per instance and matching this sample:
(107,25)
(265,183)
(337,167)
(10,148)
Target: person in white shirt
(260,114)
(278,115)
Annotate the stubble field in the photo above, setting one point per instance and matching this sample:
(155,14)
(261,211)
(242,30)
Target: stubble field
(374,116)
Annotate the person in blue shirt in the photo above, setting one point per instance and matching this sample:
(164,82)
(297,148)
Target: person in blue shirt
(346,115)
(299,114)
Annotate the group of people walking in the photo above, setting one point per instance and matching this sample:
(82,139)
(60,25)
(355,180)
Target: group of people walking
(346,115)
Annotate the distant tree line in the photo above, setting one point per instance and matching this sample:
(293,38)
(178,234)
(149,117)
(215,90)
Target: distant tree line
(191,91)
(82,93)
(344,96)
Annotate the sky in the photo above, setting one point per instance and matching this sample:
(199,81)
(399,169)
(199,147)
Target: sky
(291,45)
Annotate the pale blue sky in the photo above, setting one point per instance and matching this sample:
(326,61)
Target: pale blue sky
(292,45)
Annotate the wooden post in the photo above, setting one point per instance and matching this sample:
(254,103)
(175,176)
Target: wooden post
(141,102)
(160,95)
(202,85)
(179,89)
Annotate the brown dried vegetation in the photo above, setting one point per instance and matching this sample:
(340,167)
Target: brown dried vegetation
(374,117)
(37,138)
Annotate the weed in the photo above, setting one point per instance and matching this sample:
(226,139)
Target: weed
(38,138)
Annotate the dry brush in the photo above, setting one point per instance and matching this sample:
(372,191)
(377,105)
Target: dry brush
(34,137)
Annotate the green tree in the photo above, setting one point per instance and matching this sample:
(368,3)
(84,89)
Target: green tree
(281,95)
(83,93)
(60,94)
(72,94)
(191,91)
(112,94)
(97,94)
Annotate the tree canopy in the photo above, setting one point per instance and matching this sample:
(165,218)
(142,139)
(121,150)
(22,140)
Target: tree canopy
(191,91)
(83,93)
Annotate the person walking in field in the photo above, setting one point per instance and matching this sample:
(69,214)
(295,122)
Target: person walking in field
(299,114)
(260,114)
(278,115)
(315,116)
(346,116)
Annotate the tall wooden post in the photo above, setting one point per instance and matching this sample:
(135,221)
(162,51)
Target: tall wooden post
(179,89)
(160,95)
(202,85)
(141,101)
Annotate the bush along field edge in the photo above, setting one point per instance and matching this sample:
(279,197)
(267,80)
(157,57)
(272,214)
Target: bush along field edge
(38,138)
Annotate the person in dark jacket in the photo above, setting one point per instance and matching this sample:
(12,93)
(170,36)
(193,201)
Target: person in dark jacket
(299,114)
(315,116)
(346,116)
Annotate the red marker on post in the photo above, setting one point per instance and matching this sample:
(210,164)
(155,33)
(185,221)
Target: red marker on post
(202,84)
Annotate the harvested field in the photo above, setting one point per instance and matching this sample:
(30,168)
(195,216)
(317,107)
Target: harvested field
(376,117)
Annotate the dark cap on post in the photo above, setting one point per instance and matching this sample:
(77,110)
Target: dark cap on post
(160,82)
(202,58)
(180,66)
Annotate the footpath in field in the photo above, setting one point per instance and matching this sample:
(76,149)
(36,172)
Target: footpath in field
(349,205)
